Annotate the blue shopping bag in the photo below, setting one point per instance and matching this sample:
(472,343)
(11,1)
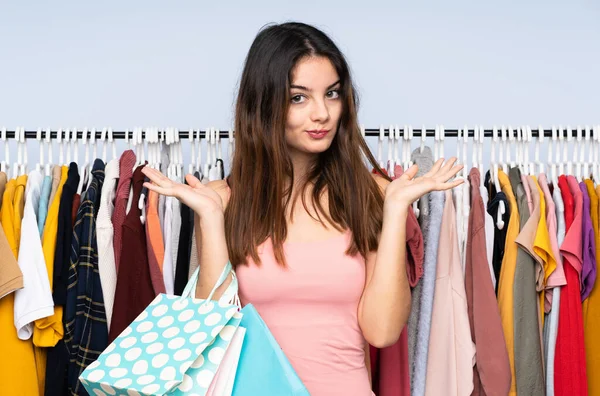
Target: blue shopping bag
(263,368)
(175,346)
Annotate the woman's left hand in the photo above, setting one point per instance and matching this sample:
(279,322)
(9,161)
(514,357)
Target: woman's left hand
(407,188)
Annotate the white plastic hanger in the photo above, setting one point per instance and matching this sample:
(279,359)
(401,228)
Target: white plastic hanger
(135,141)
(511,141)
(436,143)
(104,143)
(113,144)
(390,157)
(564,147)
(363,134)
(465,145)
(538,142)
(404,144)
(442,138)
(595,166)
(219,148)
(415,204)
(396,144)
(423,139)
(207,164)
(47,139)
(198,158)
(480,154)
(127,141)
(25,159)
(475,150)
(84,170)
(588,163)
(552,161)
(231,148)
(61,156)
(179,153)
(38,138)
(569,159)
(193,150)
(19,159)
(75,147)
(495,179)
(66,142)
(520,152)
(380,147)
(579,155)
(4,164)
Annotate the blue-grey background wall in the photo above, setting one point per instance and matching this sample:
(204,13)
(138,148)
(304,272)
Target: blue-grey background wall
(152,63)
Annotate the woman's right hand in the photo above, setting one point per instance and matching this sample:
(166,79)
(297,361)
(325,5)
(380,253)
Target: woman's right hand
(201,199)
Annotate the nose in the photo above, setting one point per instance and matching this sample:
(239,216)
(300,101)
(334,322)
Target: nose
(320,111)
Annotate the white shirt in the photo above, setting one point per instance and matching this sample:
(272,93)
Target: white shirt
(34,301)
(489,232)
(104,236)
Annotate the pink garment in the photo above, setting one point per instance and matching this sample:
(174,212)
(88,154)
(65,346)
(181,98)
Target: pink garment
(311,307)
(527,191)
(572,246)
(491,374)
(557,277)
(451,353)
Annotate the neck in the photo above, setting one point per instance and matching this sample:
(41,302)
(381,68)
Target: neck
(301,163)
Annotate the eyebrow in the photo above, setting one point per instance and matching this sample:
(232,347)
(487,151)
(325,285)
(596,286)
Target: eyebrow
(310,90)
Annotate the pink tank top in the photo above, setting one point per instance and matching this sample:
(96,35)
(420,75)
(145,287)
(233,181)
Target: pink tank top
(311,308)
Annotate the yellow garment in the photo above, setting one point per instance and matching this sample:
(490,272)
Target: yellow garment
(18,375)
(591,307)
(507,276)
(48,331)
(19,207)
(542,247)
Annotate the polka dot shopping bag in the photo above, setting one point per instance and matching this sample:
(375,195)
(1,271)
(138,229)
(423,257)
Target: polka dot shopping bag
(175,346)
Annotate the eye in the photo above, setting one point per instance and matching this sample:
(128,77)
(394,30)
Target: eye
(336,92)
(297,98)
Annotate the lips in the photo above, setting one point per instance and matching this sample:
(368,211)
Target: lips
(318,133)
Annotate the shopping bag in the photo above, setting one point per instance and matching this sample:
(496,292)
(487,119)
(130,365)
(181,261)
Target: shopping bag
(263,368)
(174,346)
(222,384)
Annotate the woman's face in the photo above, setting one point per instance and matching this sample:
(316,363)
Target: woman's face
(315,107)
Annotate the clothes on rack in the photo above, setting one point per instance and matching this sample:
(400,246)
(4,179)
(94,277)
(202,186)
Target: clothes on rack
(518,319)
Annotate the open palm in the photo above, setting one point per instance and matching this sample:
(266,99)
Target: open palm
(201,199)
(407,188)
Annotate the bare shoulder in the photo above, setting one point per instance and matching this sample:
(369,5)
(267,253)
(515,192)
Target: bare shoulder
(221,188)
(382,182)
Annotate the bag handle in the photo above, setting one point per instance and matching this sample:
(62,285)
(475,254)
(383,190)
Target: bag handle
(230,295)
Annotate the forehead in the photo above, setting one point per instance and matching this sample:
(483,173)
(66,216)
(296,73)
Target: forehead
(314,73)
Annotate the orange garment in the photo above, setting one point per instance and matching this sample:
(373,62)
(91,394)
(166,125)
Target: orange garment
(154,243)
(507,276)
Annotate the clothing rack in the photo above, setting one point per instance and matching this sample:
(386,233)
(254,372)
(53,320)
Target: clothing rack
(371,132)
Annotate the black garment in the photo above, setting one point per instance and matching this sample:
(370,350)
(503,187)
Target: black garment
(182,267)
(58,356)
(495,197)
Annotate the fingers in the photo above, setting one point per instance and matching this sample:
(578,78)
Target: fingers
(193,181)
(156,177)
(410,172)
(160,190)
(436,166)
(452,184)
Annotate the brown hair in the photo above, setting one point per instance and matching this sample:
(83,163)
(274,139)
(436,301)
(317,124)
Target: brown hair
(260,165)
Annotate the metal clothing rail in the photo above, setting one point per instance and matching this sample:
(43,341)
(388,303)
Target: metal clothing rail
(371,132)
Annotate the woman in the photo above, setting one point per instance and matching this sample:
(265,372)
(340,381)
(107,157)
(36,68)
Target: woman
(328,272)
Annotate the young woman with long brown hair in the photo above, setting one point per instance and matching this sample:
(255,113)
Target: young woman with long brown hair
(316,239)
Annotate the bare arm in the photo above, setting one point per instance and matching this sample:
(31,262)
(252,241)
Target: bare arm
(385,304)
(212,254)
